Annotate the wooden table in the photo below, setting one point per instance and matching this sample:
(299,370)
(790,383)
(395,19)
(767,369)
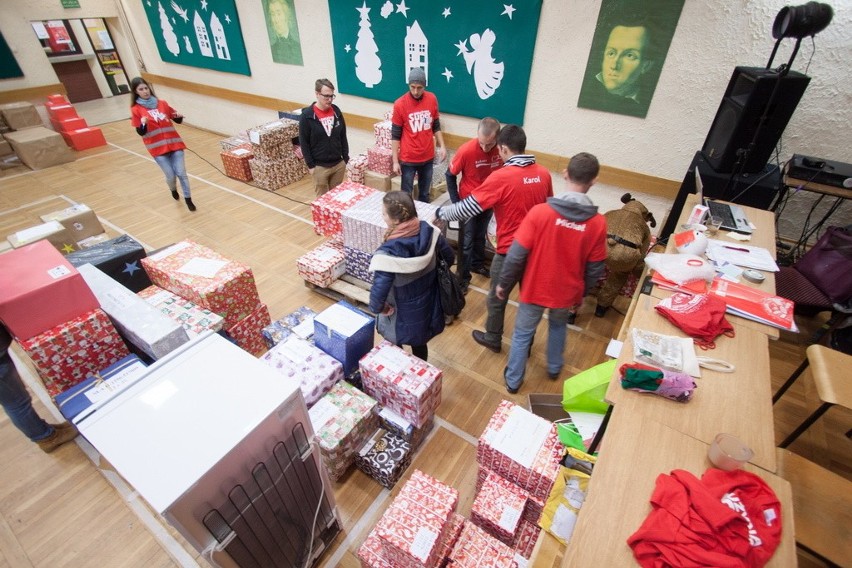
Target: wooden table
(739,403)
(635,451)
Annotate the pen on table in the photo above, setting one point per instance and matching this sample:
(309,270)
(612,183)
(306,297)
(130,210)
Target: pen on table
(735,248)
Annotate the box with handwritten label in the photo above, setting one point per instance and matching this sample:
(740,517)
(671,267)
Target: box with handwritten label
(81,400)
(498,507)
(344,332)
(236,162)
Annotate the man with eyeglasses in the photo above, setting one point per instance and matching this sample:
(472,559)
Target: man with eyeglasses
(322,137)
(474,161)
(415,123)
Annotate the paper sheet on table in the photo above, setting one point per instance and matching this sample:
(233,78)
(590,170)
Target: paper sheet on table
(749,256)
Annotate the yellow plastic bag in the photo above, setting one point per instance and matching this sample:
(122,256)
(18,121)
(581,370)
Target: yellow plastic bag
(566,498)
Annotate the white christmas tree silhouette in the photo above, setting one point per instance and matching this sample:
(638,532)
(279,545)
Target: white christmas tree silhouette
(168,32)
(367,62)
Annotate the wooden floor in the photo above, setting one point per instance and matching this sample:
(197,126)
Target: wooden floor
(69,509)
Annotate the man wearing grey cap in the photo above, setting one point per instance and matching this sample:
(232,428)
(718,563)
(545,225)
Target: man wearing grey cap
(415,122)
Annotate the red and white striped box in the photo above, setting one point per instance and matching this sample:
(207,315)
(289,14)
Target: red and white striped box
(404,383)
(247,331)
(532,466)
(498,507)
(414,527)
(67,354)
(476,548)
(327,209)
(205,277)
(297,360)
(236,162)
(356,167)
(195,320)
(380,160)
(383,133)
(323,265)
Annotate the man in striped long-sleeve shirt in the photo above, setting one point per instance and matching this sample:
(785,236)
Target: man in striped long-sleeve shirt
(510,192)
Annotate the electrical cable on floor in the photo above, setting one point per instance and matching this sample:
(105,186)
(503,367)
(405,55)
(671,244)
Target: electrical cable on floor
(248,184)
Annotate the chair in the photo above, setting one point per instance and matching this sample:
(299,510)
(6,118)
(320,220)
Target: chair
(829,368)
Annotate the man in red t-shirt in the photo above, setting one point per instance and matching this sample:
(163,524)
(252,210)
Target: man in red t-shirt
(474,161)
(322,138)
(511,191)
(558,253)
(415,122)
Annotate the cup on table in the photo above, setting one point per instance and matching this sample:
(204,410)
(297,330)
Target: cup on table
(728,452)
(713,224)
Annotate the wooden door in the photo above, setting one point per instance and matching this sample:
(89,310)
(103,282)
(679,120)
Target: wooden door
(78,80)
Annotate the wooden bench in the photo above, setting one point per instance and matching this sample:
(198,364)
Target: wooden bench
(822,507)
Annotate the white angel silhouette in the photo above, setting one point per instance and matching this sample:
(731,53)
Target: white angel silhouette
(487,74)
(181,12)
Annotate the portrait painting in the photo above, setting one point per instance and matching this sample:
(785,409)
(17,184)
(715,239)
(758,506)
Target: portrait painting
(629,48)
(283,31)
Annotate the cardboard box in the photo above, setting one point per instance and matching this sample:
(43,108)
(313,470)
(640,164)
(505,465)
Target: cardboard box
(246,332)
(79,219)
(327,209)
(83,399)
(21,115)
(84,138)
(52,232)
(299,323)
(194,319)
(39,147)
(140,323)
(297,360)
(39,290)
(68,124)
(345,333)
(65,355)
(381,182)
(384,457)
(5,147)
(120,258)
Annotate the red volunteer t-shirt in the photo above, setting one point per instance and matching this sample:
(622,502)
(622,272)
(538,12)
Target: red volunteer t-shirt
(474,165)
(325,117)
(416,116)
(511,191)
(559,250)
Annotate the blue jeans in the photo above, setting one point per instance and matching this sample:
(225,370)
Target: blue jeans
(473,244)
(525,324)
(424,179)
(17,403)
(174,167)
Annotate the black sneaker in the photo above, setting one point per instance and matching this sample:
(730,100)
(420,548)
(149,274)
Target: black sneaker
(482,271)
(479,337)
(600,311)
(572,317)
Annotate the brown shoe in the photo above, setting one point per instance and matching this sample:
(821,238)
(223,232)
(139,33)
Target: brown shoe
(62,433)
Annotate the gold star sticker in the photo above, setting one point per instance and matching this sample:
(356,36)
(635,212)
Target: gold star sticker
(66,248)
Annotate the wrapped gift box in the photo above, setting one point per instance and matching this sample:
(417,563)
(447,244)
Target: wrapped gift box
(20,115)
(83,399)
(345,333)
(274,140)
(52,231)
(140,323)
(439,170)
(68,353)
(476,548)
(297,360)
(358,264)
(247,331)
(451,537)
(380,160)
(343,419)
(68,124)
(532,510)
(402,382)
(371,555)
(95,240)
(533,467)
(356,167)
(498,507)
(39,147)
(195,272)
(384,457)
(382,131)
(120,258)
(363,224)
(525,538)
(393,422)
(279,172)
(84,138)
(327,209)
(40,289)
(232,142)
(79,219)
(299,323)
(193,318)
(323,265)
(414,527)
(236,162)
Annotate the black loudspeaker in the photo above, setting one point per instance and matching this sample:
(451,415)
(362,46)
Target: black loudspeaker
(746,100)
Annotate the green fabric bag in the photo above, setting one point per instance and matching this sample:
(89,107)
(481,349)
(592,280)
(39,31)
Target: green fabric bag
(585,391)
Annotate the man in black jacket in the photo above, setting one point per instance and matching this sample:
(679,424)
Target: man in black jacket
(322,136)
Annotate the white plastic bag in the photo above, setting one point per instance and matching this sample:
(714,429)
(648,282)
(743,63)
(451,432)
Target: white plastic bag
(680,268)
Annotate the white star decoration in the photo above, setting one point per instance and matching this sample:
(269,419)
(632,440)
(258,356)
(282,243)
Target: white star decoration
(448,74)
(149,3)
(507,10)
(446,12)
(348,48)
(227,18)
(401,8)
(365,12)
(203,4)
(462,45)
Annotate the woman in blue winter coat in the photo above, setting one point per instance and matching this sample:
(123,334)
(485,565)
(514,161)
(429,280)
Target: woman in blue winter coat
(405,286)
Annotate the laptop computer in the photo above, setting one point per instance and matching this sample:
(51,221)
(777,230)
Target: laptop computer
(733,216)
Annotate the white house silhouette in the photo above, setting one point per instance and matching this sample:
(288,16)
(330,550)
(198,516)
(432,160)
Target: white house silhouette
(201,36)
(416,50)
(219,39)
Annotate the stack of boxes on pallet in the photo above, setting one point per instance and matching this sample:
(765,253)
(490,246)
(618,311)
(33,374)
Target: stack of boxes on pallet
(77,134)
(36,147)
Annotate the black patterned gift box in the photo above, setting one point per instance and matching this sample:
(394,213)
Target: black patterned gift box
(384,457)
